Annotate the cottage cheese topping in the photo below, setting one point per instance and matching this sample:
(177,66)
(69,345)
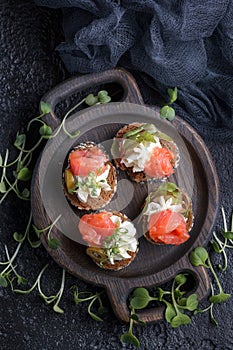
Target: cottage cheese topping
(139,155)
(122,241)
(92,185)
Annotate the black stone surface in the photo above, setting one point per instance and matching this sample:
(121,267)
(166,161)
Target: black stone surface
(29,67)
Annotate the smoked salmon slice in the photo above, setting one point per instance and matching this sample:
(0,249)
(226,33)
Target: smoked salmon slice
(95,227)
(159,164)
(82,162)
(168,227)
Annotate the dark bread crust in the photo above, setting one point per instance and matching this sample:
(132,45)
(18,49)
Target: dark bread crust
(118,264)
(189,223)
(140,175)
(105,196)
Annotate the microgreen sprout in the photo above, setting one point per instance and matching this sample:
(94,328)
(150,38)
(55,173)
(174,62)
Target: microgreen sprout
(45,109)
(200,257)
(20,279)
(209,308)
(80,297)
(5,273)
(19,237)
(53,243)
(48,299)
(129,337)
(220,246)
(167,112)
(101,98)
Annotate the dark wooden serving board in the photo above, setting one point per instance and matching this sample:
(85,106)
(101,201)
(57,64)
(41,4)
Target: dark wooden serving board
(154,265)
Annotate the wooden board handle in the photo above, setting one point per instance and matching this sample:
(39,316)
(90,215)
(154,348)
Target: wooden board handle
(80,83)
(119,298)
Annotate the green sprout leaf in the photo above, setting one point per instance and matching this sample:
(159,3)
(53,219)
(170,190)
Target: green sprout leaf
(21,280)
(95,317)
(45,130)
(35,244)
(180,279)
(45,108)
(140,298)
(3,281)
(25,193)
(172,94)
(2,187)
(20,139)
(57,309)
(129,338)
(18,237)
(1,160)
(170,312)
(199,256)
(182,302)
(53,243)
(179,320)
(24,174)
(227,234)
(219,298)
(103,97)
(102,93)
(192,302)
(91,100)
(216,247)
(167,112)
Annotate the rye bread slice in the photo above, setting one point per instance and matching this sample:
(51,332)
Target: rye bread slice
(186,203)
(105,196)
(140,175)
(118,264)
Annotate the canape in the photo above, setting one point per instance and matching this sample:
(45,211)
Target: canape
(90,178)
(111,237)
(144,152)
(167,215)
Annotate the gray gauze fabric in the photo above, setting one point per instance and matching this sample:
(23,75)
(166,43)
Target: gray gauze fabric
(183,43)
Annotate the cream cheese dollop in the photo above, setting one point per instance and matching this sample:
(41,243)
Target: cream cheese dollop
(121,241)
(91,185)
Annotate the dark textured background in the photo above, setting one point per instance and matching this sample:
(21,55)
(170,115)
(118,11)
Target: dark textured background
(29,67)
